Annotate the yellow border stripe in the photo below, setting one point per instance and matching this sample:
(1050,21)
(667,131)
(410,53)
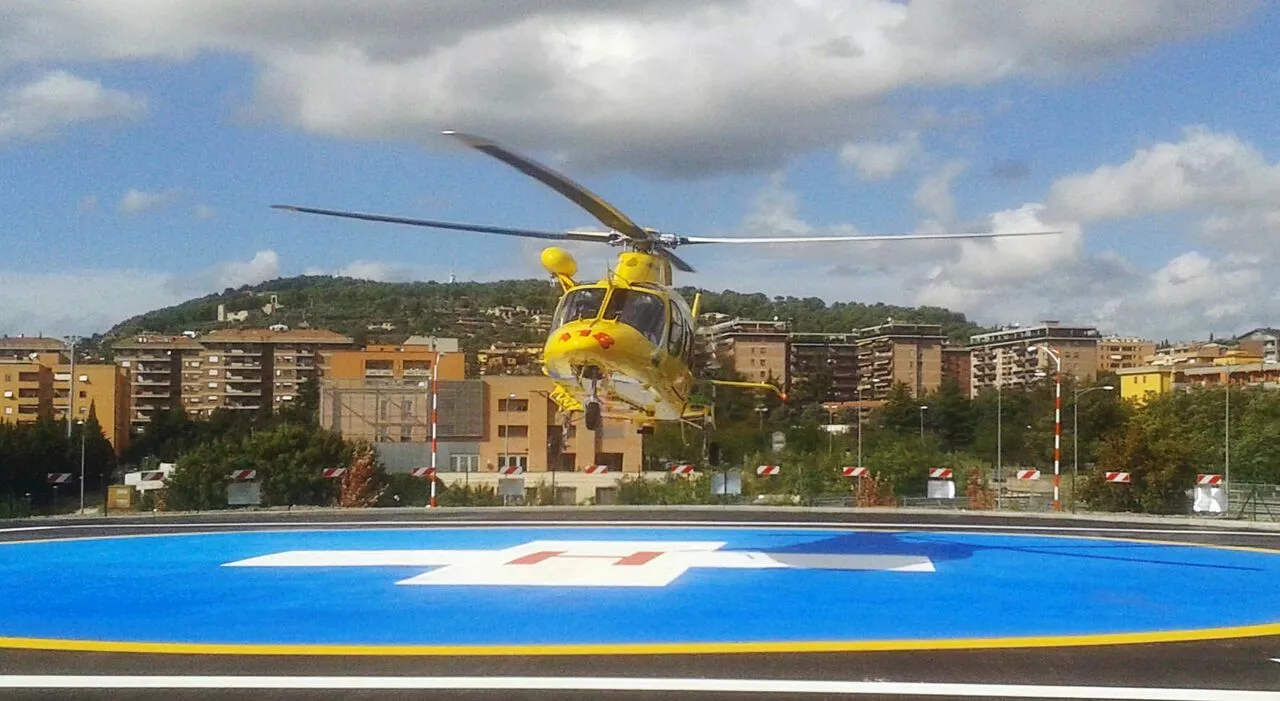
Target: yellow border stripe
(1172,636)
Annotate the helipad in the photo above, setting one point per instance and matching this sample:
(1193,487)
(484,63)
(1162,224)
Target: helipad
(600,588)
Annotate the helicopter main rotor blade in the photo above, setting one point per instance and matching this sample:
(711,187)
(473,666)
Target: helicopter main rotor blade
(599,236)
(690,240)
(604,212)
(676,261)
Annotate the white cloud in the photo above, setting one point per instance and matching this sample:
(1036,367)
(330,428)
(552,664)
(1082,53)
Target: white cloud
(1204,169)
(378,271)
(137,201)
(710,86)
(934,194)
(58,99)
(877,160)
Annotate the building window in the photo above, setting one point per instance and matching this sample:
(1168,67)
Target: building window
(513,431)
(505,405)
(521,461)
(464,463)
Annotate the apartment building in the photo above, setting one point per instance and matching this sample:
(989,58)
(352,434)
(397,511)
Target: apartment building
(898,352)
(36,381)
(253,369)
(154,365)
(395,364)
(1014,356)
(956,366)
(524,428)
(755,350)
(832,357)
(1116,353)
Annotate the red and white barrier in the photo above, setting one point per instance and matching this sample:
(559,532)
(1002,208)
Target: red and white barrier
(334,472)
(511,470)
(156,476)
(1028,474)
(682,470)
(1208,479)
(855,472)
(768,470)
(596,469)
(57,477)
(1122,477)
(423,472)
(242,475)
(940,473)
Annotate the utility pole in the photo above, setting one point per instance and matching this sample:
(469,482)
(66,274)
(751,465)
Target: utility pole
(71,391)
(1075,436)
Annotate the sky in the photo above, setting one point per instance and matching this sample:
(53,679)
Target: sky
(143,141)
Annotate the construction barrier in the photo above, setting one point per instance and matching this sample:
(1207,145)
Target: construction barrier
(1208,479)
(511,470)
(855,472)
(57,477)
(940,473)
(682,470)
(768,470)
(1028,474)
(332,472)
(242,475)
(1119,477)
(423,472)
(596,469)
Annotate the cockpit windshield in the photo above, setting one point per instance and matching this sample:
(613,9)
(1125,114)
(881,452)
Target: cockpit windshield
(642,311)
(579,304)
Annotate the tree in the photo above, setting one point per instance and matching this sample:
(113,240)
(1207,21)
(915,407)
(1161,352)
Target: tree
(360,486)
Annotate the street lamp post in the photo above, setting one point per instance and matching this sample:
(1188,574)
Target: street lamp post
(1075,435)
(1057,422)
(860,426)
(71,385)
(506,432)
(999,447)
(922,408)
(1226,446)
(82,432)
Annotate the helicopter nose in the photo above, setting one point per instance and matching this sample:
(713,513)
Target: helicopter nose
(569,343)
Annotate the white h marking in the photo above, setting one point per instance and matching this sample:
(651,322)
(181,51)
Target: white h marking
(592,563)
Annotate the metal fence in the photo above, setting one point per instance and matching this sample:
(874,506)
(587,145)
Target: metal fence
(1254,502)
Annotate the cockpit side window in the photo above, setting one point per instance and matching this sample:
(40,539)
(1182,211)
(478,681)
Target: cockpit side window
(642,311)
(579,304)
(677,339)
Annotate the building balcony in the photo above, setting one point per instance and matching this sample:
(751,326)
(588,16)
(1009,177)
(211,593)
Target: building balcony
(238,391)
(378,373)
(241,379)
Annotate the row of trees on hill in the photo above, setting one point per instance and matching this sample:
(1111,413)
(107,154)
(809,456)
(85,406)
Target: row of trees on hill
(348,305)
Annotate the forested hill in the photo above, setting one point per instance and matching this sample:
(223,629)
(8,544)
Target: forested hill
(462,309)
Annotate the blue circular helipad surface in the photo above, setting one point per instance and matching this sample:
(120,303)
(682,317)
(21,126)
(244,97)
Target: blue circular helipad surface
(609,586)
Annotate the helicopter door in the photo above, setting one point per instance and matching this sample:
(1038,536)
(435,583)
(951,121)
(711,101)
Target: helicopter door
(677,336)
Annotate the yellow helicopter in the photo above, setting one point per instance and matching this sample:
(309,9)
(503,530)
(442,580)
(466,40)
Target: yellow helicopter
(622,346)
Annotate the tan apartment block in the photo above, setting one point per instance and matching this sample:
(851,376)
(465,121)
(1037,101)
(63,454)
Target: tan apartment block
(1117,353)
(955,365)
(755,350)
(896,352)
(394,364)
(833,355)
(524,427)
(38,389)
(252,369)
(26,391)
(154,364)
(1007,358)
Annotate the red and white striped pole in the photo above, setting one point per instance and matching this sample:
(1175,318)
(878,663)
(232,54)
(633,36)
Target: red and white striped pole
(435,378)
(1057,425)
